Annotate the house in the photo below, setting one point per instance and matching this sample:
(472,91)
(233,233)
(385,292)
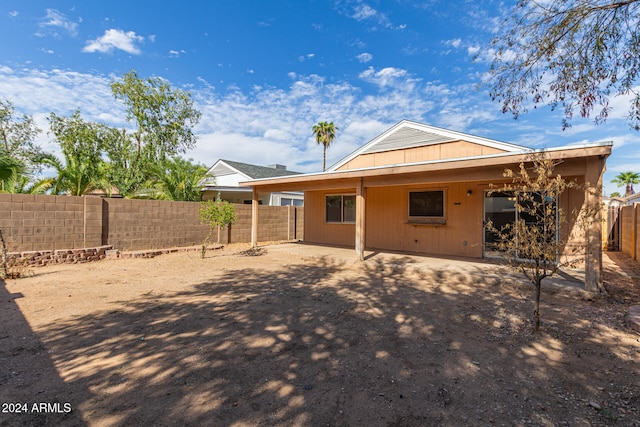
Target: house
(226,177)
(422,189)
(631,199)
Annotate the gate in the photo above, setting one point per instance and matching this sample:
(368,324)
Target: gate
(613,228)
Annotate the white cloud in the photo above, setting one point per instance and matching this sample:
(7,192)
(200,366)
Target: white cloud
(388,77)
(55,19)
(364,11)
(115,39)
(302,58)
(473,50)
(13,13)
(266,124)
(365,57)
(176,53)
(455,43)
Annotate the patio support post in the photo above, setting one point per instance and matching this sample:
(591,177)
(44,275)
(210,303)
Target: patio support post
(254,218)
(360,226)
(593,197)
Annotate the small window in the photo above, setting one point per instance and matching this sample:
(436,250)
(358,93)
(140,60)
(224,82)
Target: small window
(426,206)
(340,208)
(288,201)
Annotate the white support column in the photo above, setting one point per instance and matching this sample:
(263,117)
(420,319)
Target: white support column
(254,218)
(360,219)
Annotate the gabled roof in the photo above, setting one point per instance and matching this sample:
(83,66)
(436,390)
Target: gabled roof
(408,134)
(227,167)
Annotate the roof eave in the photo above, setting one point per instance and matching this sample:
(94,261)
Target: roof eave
(581,150)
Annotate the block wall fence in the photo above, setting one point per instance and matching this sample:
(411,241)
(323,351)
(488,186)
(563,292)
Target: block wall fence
(42,222)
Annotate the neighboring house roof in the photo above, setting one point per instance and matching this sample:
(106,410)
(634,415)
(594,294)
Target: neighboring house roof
(246,171)
(258,172)
(408,134)
(633,198)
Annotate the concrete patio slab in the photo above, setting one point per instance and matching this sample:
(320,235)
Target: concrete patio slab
(570,280)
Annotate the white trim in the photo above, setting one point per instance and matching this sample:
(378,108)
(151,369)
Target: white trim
(220,161)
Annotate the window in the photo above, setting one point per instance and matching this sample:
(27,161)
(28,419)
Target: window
(340,208)
(426,207)
(288,201)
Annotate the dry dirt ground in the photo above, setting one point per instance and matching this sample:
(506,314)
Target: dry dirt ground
(269,338)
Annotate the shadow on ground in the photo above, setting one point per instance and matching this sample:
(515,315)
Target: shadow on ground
(325,343)
(23,387)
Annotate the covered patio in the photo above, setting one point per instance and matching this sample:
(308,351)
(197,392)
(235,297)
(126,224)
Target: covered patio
(366,201)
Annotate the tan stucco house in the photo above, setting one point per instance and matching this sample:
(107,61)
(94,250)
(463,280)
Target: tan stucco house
(422,189)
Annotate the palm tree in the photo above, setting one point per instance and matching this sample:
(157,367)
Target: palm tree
(627,179)
(15,179)
(9,167)
(325,133)
(76,176)
(175,179)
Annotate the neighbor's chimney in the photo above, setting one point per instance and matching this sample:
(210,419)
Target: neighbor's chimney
(279,167)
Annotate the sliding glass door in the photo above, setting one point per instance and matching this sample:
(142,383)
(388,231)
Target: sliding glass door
(500,210)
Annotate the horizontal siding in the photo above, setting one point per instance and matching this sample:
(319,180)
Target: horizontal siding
(432,152)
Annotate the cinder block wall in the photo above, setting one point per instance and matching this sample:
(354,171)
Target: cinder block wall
(32,222)
(150,224)
(41,222)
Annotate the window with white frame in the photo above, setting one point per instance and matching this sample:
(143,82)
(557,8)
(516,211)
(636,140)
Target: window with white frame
(427,206)
(340,208)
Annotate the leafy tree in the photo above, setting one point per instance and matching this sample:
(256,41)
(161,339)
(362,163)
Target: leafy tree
(216,214)
(615,194)
(124,170)
(83,169)
(627,179)
(163,119)
(17,136)
(176,179)
(534,243)
(9,167)
(325,133)
(14,179)
(570,53)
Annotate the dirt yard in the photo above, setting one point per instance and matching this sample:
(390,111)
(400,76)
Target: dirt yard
(276,339)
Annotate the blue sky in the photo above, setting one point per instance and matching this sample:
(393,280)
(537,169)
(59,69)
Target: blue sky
(264,72)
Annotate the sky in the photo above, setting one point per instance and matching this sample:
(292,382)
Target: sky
(262,73)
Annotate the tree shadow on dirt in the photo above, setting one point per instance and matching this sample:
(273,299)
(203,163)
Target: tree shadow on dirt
(304,345)
(25,365)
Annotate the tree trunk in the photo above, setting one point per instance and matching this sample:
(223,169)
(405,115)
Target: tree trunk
(5,271)
(324,158)
(536,313)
